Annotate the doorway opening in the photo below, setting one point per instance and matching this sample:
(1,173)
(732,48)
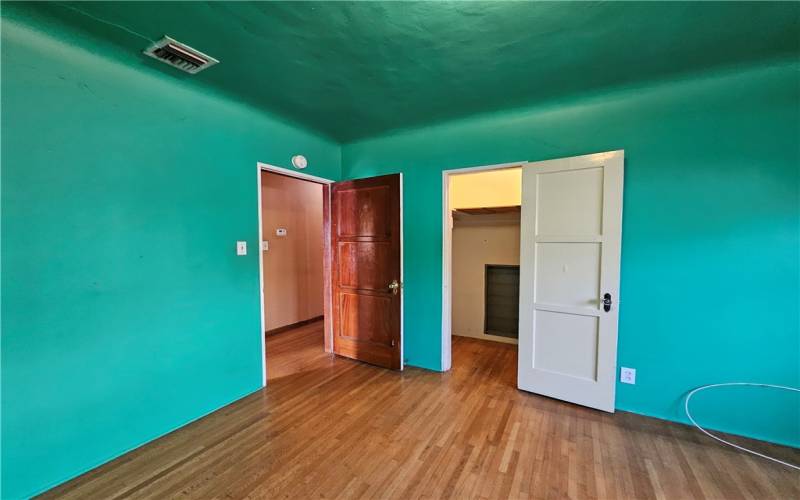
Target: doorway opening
(330,251)
(483,213)
(292,226)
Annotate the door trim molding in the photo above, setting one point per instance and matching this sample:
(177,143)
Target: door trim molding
(266,167)
(294,173)
(447,251)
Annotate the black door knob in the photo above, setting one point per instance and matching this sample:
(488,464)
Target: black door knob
(607,302)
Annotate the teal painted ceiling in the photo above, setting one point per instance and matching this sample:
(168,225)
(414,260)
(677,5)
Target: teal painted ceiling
(351,70)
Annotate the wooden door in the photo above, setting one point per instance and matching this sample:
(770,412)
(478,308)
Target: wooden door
(569,278)
(365,257)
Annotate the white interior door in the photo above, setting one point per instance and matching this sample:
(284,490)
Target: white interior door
(571,231)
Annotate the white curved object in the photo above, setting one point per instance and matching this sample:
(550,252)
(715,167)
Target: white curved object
(742,448)
(299,161)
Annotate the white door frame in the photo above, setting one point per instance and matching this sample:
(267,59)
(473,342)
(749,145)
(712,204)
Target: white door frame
(447,257)
(265,167)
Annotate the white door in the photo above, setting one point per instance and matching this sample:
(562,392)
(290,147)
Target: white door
(569,263)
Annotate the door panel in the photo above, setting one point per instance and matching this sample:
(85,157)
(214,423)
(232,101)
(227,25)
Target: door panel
(566,343)
(365,244)
(569,259)
(367,318)
(568,274)
(570,202)
(364,211)
(362,264)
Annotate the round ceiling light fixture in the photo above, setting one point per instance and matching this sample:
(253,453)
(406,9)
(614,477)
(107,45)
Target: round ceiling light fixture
(299,161)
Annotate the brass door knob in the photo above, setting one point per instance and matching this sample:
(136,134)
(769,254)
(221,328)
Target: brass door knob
(394,286)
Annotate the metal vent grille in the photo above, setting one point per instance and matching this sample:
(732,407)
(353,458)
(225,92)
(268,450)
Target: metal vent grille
(180,55)
(501,315)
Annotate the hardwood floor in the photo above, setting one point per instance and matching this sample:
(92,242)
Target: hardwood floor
(296,351)
(334,428)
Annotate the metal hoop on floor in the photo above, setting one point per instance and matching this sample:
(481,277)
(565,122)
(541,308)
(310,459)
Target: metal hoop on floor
(742,448)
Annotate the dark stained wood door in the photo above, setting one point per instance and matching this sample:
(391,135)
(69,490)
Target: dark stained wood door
(365,257)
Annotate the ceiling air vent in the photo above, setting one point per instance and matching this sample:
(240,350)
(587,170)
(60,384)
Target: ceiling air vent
(179,55)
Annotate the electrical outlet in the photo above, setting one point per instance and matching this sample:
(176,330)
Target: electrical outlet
(627,375)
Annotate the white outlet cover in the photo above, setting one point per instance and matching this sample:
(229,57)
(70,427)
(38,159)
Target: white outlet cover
(627,375)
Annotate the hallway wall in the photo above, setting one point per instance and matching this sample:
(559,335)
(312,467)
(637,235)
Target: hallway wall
(293,264)
(478,240)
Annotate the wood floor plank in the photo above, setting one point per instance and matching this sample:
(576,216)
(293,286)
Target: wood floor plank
(328,427)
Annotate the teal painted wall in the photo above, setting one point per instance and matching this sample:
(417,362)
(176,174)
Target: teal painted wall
(710,247)
(125,311)
(126,314)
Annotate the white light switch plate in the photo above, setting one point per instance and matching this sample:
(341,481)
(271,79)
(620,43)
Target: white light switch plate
(627,375)
(241,248)
(265,245)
